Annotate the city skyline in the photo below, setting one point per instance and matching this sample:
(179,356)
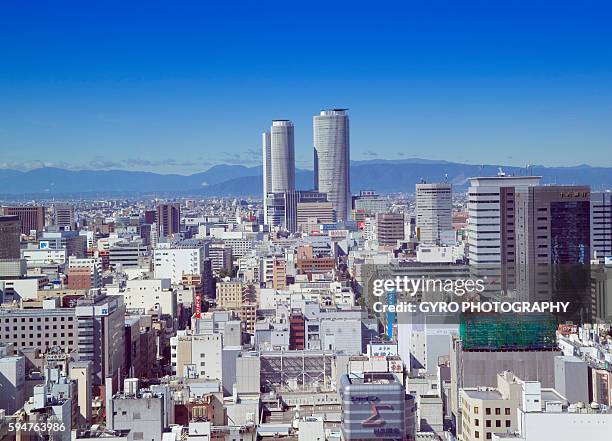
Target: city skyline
(166,89)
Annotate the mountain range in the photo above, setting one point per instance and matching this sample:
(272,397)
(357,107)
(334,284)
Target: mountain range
(384,176)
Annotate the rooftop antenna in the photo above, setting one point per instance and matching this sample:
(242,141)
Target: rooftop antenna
(445,178)
(501,172)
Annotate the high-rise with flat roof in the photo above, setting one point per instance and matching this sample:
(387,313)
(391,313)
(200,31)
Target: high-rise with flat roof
(434,207)
(601,224)
(267,170)
(168,218)
(332,159)
(64,217)
(552,228)
(491,235)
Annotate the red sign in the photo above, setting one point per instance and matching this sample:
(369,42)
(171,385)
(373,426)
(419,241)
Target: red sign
(198,306)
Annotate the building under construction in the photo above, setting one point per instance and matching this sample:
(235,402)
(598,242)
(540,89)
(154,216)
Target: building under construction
(498,332)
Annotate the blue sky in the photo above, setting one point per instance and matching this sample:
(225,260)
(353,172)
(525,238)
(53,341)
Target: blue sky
(176,87)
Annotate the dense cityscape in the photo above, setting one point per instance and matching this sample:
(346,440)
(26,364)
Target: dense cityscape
(247,318)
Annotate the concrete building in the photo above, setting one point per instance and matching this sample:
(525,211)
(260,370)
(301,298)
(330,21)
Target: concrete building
(36,257)
(80,371)
(84,273)
(312,214)
(64,217)
(488,410)
(279,274)
(100,321)
(370,202)
(434,207)
(230,294)
(220,256)
(127,255)
(479,368)
(141,413)
(173,261)
(41,328)
(288,210)
(147,295)
(12,379)
(332,159)
(572,378)
(74,243)
(601,224)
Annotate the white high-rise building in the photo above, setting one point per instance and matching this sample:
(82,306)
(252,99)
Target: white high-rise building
(267,170)
(282,155)
(491,235)
(434,207)
(172,261)
(332,159)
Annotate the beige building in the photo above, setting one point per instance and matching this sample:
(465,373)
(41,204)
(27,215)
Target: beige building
(279,274)
(310,214)
(230,294)
(487,410)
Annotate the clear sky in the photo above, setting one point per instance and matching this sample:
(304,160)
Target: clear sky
(176,87)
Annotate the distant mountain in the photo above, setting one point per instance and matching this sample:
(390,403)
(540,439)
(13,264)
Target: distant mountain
(385,176)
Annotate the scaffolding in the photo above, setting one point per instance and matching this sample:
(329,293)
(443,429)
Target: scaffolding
(283,371)
(496,332)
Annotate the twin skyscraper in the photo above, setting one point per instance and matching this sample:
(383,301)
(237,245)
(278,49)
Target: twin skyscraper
(331,160)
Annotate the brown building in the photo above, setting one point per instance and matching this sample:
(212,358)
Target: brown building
(79,278)
(168,218)
(10,237)
(150,217)
(248,315)
(32,218)
(390,228)
(297,331)
(308,263)
(552,240)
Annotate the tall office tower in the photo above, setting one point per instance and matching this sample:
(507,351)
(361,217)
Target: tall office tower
(552,225)
(434,207)
(282,154)
(267,170)
(100,331)
(332,159)
(169,219)
(32,218)
(601,224)
(64,217)
(491,235)
(10,236)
